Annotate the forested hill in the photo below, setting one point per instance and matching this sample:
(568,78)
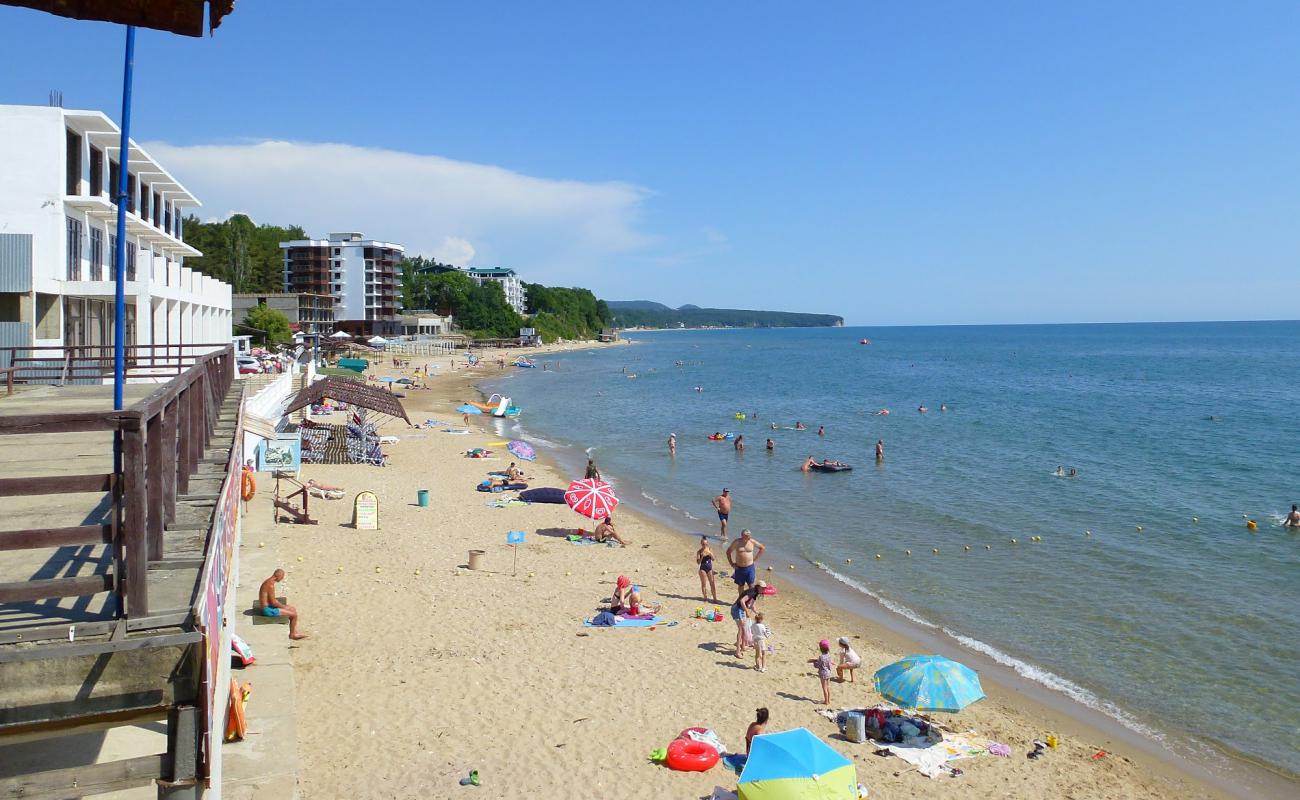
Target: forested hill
(240,252)
(635,314)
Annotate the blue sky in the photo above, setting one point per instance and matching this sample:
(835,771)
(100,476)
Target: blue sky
(894,163)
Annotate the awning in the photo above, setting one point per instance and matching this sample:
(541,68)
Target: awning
(354,393)
(176,16)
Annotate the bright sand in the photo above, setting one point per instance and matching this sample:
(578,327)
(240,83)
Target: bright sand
(418,670)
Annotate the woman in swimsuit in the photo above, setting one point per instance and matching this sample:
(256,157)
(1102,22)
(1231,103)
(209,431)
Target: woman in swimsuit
(708,582)
(742,610)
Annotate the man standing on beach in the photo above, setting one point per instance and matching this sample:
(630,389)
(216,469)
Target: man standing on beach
(268,605)
(722,504)
(743,555)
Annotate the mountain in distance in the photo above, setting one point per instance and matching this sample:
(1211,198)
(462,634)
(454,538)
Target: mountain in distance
(637,305)
(649,314)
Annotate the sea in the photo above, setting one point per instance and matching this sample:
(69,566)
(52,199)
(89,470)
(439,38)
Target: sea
(1135,587)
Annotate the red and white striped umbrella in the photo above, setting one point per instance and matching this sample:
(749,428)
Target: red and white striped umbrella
(591,498)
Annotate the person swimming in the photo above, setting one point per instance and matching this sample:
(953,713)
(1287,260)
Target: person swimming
(799,426)
(921,408)
(884,412)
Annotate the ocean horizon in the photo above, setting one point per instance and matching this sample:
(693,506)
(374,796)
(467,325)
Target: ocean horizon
(1134,588)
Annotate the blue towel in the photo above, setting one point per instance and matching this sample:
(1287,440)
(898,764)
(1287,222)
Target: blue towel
(628,623)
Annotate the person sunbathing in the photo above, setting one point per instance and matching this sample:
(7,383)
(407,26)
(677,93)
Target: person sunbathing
(514,473)
(605,531)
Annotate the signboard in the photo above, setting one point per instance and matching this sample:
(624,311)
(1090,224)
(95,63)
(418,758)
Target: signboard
(515,537)
(214,592)
(365,512)
(281,454)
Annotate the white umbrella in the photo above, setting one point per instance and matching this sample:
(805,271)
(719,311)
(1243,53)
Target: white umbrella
(340,335)
(378,340)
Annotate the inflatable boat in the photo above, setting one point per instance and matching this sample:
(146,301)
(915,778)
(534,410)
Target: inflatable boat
(830,467)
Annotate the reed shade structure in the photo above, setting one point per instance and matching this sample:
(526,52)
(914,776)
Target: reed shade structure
(174,16)
(354,393)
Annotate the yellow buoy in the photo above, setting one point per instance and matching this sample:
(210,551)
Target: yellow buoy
(877,555)
(1139,529)
(1251,524)
(792,566)
(934,550)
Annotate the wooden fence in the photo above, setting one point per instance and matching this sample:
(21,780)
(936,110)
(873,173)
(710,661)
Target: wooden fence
(161,439)
(57,364)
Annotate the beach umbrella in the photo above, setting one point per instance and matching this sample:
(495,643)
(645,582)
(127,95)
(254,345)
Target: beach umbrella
(466,408)
(340,335)
(377,340)
(929,683)
(522,450)
(591,498)
(796,765)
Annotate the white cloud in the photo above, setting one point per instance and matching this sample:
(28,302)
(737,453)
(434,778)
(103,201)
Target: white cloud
(457,211)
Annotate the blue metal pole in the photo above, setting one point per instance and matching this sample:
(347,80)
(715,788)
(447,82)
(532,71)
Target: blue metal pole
(119,258)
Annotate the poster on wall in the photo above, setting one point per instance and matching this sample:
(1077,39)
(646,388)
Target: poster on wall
(281,454)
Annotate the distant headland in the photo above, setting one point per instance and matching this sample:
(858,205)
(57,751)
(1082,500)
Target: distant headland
(649,314)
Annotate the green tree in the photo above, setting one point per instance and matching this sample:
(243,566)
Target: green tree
(444,292)
(485,312)
(269,326)
(240,252)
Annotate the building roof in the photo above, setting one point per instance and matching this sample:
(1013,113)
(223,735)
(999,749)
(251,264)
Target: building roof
(257,295)
(491,272)
(104,134)
(175,16)
(341,243)
(352,392)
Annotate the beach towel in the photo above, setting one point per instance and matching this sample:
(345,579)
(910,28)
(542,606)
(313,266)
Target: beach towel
(457,431)
(932,761)
(511,503)
(622,622)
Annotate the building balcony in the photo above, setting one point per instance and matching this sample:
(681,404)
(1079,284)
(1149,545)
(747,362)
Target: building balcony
(99,208)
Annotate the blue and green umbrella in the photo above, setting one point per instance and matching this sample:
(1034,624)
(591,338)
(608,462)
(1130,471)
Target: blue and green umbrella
(796,765)
(929,683)
(469,409)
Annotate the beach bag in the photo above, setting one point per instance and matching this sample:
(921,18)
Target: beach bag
(241,655)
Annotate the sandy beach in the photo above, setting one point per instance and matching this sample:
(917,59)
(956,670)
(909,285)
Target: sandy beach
(419,670)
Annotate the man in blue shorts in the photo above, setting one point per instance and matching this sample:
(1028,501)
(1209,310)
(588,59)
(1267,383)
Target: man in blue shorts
(743,555)
(722,504)
(268,605)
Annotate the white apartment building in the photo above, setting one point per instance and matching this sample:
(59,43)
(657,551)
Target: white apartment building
(510,282)
(58,235)
(360,274)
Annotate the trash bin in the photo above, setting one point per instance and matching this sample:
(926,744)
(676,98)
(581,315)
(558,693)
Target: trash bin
(476,559)
(422,497)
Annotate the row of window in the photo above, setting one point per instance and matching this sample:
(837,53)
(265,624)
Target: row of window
(98,255)
(152,208)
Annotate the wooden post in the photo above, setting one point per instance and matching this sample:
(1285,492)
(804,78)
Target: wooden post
(183,443)
(135,518)
(153,485)
(197,430)
(167,471)
(181,769)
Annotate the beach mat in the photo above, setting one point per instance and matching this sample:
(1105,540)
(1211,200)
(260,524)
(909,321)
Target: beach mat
(628,623)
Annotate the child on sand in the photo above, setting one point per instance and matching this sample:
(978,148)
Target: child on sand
(756,728)
(849,660)
(823,665)
(760,634)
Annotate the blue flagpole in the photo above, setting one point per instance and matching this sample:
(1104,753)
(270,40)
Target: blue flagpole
(124,156)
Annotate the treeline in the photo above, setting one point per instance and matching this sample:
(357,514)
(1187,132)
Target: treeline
(240,252)
(559,313)
(482,311)
(720,318)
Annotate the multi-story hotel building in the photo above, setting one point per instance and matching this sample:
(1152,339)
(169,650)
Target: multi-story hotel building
(58,235)
(361,275)
(516,296)
(307,313)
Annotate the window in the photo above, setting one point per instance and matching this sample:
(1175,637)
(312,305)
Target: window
(74,164)
(112,256)
(130,192)
(114,174)
(167,219)
(96,254)
(130,261)
(74,249)
(96,172)
(157,215)
(47,316)
(144,201)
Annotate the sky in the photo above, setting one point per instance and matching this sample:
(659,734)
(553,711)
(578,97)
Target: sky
(893,163)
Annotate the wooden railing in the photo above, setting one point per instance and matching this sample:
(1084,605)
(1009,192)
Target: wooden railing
(57,364)
(162,439)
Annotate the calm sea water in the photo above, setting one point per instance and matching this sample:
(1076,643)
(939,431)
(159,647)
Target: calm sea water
(1189,626)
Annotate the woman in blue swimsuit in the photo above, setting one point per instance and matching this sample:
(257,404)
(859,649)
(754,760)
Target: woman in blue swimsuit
(708,583)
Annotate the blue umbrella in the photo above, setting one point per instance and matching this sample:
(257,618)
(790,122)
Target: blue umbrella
(929,683)
(522,450)
(796,765)
(469,409)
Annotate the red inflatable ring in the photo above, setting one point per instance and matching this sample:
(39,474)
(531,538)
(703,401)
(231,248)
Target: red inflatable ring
(688,755)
